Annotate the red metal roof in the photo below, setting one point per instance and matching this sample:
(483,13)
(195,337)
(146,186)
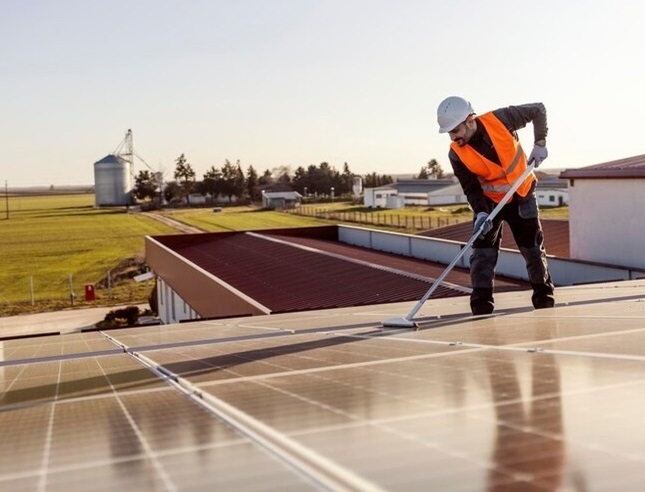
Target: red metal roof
(269,267)
(631,167)
(458,276)
(556,235)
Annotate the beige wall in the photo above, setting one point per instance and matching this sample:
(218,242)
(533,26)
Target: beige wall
(207,295)
(607,221)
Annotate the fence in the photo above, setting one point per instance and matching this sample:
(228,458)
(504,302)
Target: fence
(34,294)
(394,220)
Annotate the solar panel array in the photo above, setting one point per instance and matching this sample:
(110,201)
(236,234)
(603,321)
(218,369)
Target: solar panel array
(328,400)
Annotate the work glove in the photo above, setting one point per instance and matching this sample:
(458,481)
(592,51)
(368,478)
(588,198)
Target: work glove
(479,220)
(538,154)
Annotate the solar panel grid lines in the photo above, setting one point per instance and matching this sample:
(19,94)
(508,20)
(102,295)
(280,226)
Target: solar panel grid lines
(484,404)
(317,468)
(524,400)
(54,347)
(77,441)
(159,469)
(48,439)
(122,462)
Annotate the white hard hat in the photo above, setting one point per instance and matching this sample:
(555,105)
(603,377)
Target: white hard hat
(452,111)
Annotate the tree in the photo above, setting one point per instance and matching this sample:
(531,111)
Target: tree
(282,175)
(240,180)
(212,183)
(434,169)
(423,174)
(299,181)
(266,178)
(172,192)
(252,182)
(184,175)
(145,185)
(346,181)
(232,180)
(374,180)
(324,178)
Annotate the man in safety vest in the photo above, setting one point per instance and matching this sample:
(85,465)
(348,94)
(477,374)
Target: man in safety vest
(487,158)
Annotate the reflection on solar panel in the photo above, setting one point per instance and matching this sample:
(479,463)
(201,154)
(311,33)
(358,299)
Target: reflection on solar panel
(521,400)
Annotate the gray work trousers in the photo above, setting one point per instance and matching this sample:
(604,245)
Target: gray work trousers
(522,216)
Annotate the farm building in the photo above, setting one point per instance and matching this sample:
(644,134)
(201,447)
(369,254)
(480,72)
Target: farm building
(280,199)
(606,211)
(449,195)
(551,192)
(413,192)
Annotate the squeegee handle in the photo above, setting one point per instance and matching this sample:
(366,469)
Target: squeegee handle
(518,182)
(470,242)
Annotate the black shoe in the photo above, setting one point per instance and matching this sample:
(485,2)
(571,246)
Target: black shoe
(544,303)
(482,309)
(481,301)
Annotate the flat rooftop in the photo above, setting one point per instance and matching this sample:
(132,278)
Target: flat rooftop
(328,400)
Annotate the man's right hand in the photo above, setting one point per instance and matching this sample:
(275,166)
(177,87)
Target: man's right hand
(482,218)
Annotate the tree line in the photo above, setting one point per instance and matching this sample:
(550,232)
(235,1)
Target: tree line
(233,183)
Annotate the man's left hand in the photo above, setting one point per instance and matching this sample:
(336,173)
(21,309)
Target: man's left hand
(538,154)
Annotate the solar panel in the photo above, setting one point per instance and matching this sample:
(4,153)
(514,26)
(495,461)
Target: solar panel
(521,400)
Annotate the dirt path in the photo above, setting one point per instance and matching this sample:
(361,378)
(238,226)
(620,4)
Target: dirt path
(181,227)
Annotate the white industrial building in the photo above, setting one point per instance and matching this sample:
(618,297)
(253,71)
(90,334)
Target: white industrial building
(551,197)
(281,199)
(551,192)
(449,195)
(408,192)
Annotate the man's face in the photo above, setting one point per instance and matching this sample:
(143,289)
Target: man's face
(462,133)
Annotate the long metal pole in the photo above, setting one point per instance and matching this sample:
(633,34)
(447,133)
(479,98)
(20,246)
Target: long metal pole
(407,320)
(6,197)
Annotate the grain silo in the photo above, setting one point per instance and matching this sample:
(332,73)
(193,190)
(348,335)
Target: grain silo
(112,181)
(113,175)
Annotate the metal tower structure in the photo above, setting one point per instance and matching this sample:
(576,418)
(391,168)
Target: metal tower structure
(125,150)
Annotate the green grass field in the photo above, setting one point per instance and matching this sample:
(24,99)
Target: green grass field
(48,238)
(408,220)
(240,219)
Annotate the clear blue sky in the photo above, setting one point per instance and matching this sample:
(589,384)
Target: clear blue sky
(298,82)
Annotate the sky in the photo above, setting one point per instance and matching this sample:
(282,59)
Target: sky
(297,82)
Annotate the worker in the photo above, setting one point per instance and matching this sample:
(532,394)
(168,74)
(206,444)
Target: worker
(487,158)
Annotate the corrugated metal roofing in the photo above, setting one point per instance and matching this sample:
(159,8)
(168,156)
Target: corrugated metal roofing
(631,167)
(285,278)
(274,269)
(458,276)
(556,235)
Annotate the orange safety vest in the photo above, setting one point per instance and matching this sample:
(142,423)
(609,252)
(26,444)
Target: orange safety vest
(496,180)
